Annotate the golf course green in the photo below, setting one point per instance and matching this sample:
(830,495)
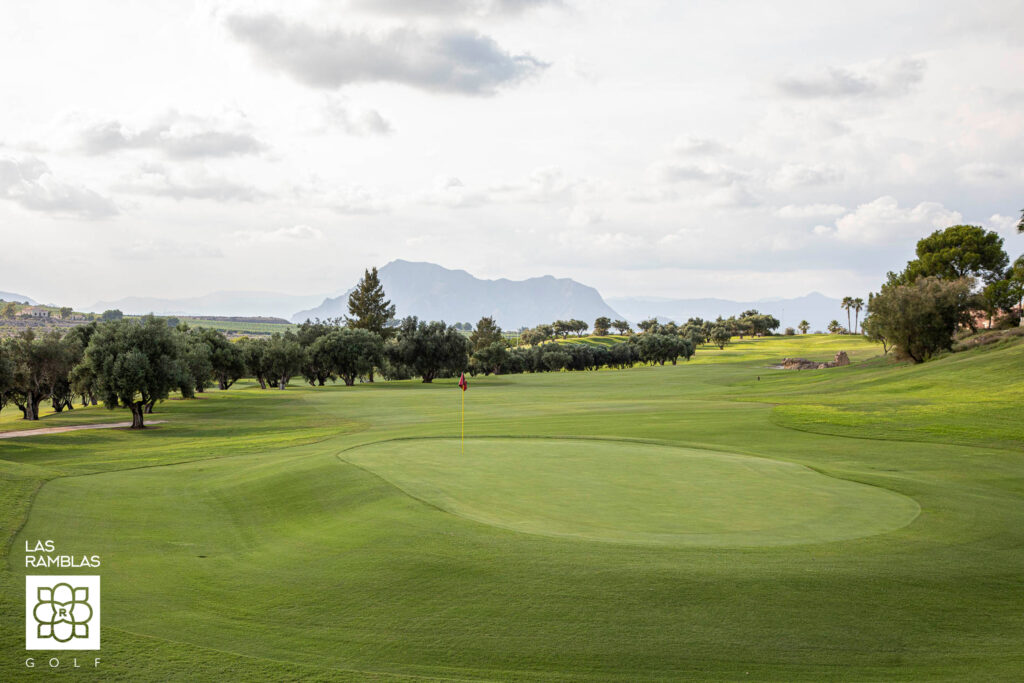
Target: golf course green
(632,492)
(713,520)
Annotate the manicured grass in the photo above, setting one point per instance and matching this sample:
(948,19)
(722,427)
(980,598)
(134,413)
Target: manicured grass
(633,492)
(292,535)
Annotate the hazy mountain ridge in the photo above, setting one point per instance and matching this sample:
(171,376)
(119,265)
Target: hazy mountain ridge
(223,303)
(432,292)
(14,296)
(815,308)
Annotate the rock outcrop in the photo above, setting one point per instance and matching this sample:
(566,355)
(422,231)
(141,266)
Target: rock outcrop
(804,364)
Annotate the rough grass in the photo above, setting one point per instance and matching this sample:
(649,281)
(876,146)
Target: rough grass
(238,543)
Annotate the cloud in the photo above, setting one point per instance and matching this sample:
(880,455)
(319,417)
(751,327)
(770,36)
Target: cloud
(177,136)
(696,146)
(159,181)
(890,78)
(29,182)
(985,173)
(356,122)
(450,61)
(448,8)
(145,250)
(883,221)
(675,172)
(801,175)
(292,234)
(810,210)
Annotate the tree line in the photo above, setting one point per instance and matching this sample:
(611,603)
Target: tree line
(957,272)
(132,363)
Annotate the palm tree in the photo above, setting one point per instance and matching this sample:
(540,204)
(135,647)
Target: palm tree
(804,326)
(834,327)
(858,306)
(846,305)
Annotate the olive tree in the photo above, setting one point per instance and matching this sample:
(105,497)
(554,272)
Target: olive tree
(429,349)
(135,363)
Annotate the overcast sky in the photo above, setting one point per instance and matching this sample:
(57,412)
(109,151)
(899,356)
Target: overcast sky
(733,149)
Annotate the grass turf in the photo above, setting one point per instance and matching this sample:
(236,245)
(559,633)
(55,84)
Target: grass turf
(246,539)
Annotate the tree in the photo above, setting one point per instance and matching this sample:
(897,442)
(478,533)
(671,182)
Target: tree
(254,355)
(65,312)
(226,359)
(956,252)
(919,319)
(602,325)
(999,296)
(846,305)
(874,333)
(41,368)
(314,366)
(545,332)
(804,326)
(112,314)
(490,359)
(562,328)
(834,327)
(8,310)
(135,363)
(430,349)
(580,327)
(858,306)
(369,309)
(6,374)
(349,352)
(621,326)
(720,336)
(648,325)
(487,332)
(282,358)
(195,359)
(1020,223)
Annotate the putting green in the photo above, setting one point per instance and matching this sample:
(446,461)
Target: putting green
(630,492)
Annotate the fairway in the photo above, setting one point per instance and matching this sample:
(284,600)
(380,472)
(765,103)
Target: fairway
(686,522)
(632,492)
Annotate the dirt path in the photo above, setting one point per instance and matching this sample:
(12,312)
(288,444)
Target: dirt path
(75,428)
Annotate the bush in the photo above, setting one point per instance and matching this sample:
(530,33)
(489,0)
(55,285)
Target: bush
(790,332)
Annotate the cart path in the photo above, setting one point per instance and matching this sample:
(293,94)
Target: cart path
(74,428)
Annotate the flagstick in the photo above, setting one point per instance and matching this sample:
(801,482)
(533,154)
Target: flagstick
(462,422)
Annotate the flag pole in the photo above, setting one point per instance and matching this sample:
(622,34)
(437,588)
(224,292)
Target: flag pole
(462,424)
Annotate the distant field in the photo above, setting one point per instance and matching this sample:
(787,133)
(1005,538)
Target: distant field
(237,327)
(717,520)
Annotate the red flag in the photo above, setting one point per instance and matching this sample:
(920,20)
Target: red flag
(463,384)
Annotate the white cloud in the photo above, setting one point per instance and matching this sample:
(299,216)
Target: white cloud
(810,210)
(883,221)
(888,78)
(293,234)
(29,182)
(158,180)
(453,60)
(176,135)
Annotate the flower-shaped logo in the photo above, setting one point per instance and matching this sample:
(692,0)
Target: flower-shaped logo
(62,612)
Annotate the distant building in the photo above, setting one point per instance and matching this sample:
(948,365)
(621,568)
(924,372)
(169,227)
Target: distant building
(34,312)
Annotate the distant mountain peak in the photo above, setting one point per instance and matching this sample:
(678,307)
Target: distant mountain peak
(433,292)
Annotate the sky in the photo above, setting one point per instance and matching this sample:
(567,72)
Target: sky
(741,150)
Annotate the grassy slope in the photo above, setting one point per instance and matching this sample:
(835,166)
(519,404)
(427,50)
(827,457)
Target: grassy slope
(314,567)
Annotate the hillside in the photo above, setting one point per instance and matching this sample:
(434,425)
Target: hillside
(432,292)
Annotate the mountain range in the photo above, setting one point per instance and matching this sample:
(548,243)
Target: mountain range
(432,292)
